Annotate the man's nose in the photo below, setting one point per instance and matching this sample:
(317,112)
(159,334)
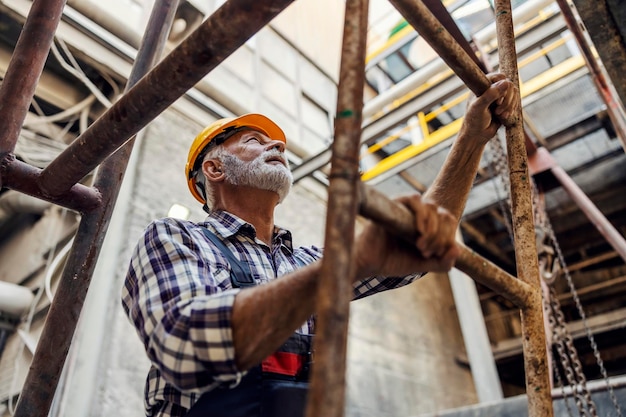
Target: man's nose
(276,144)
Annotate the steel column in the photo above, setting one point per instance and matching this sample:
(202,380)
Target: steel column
(24,70)
(327,394)
(614,110)
(218,37)
(604,21)
(45,371)
(534,340)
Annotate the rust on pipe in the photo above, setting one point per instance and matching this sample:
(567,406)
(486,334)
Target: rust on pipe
(24,70)
(613,108)
(326,396)
(43,377)
(440,12)
(218,37)
(399,220)
(448,49)
(591,211)
(22,177)
(533,340)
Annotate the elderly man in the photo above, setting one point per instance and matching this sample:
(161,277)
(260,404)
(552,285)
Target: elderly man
(225,307)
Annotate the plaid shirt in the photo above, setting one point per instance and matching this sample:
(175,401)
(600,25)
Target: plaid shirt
(179,297)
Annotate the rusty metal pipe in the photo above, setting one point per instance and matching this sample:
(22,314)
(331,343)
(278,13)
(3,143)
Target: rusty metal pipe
(425,22)
(24,70)
(326,396)
(591,211)
(448,49)
(440,12)
(399,220)
(614,110)
(218,37)
(527,260)
(45,370)
(22,177)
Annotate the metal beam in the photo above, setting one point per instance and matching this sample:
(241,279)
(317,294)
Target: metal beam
(604,21)
(536,366)
(326,396)
(614,111)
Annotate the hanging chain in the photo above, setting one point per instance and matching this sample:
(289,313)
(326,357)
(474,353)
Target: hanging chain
(499,168)
(558,377)
(583,316)
(560,335)
(569,358)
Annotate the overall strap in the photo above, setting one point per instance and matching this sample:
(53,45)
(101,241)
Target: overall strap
(240,275)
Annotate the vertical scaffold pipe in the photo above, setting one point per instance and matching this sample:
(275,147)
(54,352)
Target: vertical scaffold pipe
(24,70)
(533,335)
(327,394)
(45,371)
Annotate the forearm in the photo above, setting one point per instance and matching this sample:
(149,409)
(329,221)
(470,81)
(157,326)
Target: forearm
(266,315)
(454,181)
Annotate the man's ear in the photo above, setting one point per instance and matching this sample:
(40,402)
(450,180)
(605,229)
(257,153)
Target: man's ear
(212,169)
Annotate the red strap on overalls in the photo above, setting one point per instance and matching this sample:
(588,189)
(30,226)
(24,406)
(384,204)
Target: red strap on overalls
(283,363)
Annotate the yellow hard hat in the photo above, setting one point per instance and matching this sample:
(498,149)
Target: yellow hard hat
(225,126)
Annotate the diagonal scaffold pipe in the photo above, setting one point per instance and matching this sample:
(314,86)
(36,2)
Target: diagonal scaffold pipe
(326,395)
(220,35)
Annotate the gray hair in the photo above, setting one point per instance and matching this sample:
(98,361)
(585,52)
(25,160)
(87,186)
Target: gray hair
(216,153)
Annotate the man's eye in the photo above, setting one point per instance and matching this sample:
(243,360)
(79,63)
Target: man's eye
(253,138)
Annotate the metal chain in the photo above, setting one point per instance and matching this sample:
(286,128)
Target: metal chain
(583,316)
(563,336)
(569,354)
(547,308)
(499,162)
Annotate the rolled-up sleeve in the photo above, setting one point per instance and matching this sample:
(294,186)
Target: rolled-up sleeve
(373,285)
(178,297)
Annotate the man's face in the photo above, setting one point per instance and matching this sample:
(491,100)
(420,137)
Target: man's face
(252,159)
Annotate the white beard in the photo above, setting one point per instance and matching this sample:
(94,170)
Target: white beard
(258,173)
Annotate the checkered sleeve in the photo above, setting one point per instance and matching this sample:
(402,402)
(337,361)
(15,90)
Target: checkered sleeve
(376,284)
(180,302)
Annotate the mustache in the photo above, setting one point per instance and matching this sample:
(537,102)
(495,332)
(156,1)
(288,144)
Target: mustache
(274,153)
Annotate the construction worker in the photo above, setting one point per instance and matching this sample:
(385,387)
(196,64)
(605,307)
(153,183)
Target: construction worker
(225,307)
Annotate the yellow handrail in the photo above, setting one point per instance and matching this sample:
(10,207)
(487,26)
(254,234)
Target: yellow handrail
(532,86)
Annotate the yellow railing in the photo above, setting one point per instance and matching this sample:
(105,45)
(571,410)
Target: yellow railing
(446,132)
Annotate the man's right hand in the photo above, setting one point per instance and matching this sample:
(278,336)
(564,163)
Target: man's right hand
(380,253)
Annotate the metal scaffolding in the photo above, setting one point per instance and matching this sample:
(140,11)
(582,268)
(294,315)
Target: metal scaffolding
(109,140)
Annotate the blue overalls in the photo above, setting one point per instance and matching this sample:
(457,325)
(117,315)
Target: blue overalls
(275,388)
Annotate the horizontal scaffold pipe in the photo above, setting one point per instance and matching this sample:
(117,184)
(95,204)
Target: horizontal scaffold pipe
(219,36)
(22,177)
(399,220)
